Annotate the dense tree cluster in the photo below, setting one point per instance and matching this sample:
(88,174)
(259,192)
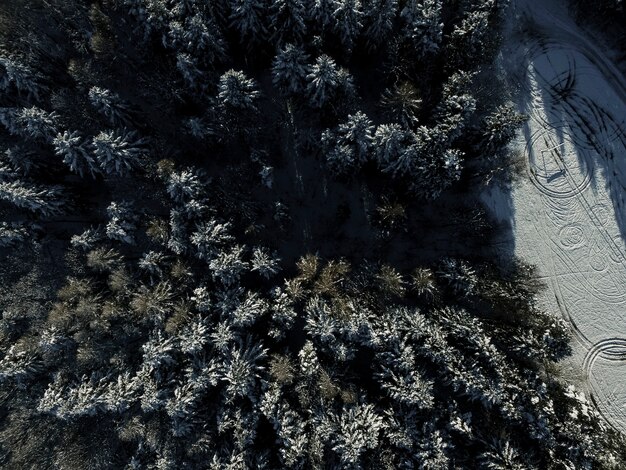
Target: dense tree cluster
(156,152)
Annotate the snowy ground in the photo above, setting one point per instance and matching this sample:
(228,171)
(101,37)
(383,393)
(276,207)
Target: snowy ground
(569,214)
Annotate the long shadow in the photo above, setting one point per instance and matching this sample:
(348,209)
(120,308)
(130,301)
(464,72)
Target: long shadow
(577,110)
(578,115)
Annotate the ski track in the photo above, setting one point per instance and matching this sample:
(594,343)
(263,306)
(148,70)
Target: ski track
(570,220)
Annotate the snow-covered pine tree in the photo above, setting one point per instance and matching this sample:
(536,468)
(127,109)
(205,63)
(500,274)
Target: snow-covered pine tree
(424,24)
(45,201)
(209,237)
(17,76)
(287,20)
(358,429)
(110,105)
(241,370)
(121,225)
(379,17)
(187,65)
(31,123)
(184,185)
(347,21)
(390,141)
(322,13)
(76,155)
(248,17)
(350,145)
(500,127)
(237,92)
(402,103)
(290,70)
(199,36)
(118,152)
(228,265)
(265,264)
(322,81)
(12,234)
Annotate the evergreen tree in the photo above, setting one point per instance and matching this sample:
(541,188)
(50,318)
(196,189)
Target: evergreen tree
(15,75)
(348,21)
(12,234)
(350,145)
(40,200)
(379,20)
(237,92)
(248,16)
(199,36)
(424,24)
(110,105)
(76,155)
(32,123)
(402,103)
(118,152)
(290,70)
(287,18)
(322,13)
(323,81)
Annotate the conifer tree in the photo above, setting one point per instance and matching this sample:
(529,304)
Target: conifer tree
(290,69)
(118,152)
(323,81)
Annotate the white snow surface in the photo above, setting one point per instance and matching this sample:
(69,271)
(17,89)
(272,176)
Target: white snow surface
(568,213)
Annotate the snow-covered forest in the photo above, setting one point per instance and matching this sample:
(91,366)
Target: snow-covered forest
(247,234)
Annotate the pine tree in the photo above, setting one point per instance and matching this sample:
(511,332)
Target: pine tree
(32,123)
(390,141)
(199,36)
(348,21)
(110,105)
(248,16)
(227,266)
(118,153)
(241,368)
(402,103)
(290,70)
(121,225)
(14,75)
(188,67)
(424,24)
(266,265)
(350,145)
(379,20)
(323,81)
(500,127)
(358,429)
(37,199)
(287,18)
(73,148)
(209,237)
(184,186)
(322,13)
(12,234)
(237,92)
